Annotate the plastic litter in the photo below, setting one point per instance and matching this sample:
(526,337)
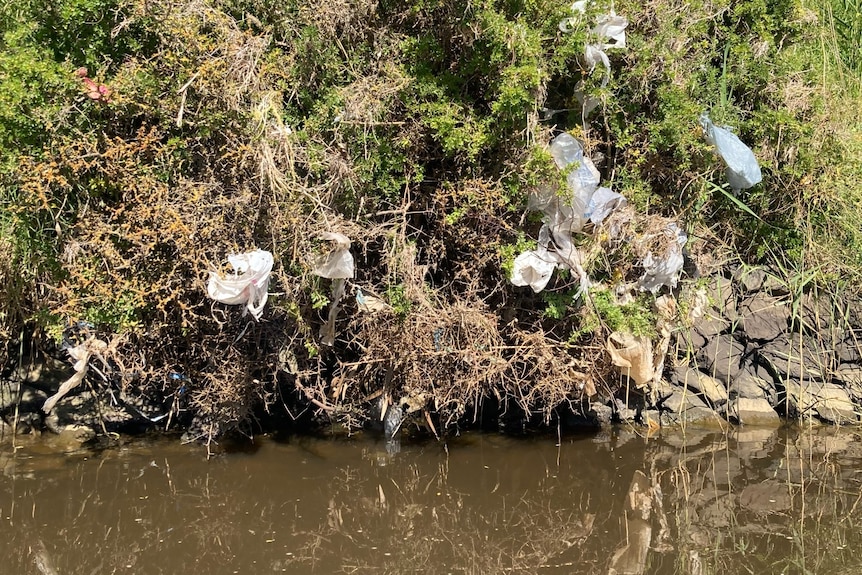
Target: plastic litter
(81,353)
(534,269)
(742,171)
(610,30)
(564,215)
(632,355)
(664,270)
(247,285)
(337,265)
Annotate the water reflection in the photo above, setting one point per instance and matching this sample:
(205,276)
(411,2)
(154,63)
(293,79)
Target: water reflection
(752,501)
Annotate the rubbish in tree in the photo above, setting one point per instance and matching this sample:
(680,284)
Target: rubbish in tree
(337,265)
(664,269)
(563,215)
(247,285)
(742,171)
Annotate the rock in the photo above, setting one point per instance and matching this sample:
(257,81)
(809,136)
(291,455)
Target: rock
(752,411)
(719,290)
(31,398)
(721,358)
(709,388)
(849,351)
(682,400)
(850,377)
(602,414)
(748,386)
(816,314)
(763,317)
(833,405)
(794,358)
(86,409)
(750,279)
(828,402)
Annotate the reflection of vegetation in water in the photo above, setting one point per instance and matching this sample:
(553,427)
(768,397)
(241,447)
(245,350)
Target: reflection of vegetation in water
(408,534)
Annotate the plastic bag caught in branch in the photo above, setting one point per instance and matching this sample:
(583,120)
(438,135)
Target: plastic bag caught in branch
(664,269)
(247,285)
(742,171)
(632,355)
(81,354)
(534,269)
(337,264)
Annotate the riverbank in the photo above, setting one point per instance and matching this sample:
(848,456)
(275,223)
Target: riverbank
(228,217)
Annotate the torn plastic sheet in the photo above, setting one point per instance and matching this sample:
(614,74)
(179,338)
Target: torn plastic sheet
(247,285)
(81,354)
(632,356)
(337,265)
(664,270)
(563,216)
(534,268)
(742,171)
(610,29)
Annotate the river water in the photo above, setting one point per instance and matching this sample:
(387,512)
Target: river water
(695,502)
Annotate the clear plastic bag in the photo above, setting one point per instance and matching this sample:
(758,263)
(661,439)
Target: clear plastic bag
(743,171)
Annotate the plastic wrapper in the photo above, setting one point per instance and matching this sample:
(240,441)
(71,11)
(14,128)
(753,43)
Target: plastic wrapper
(742,171)
(663,270)
(247,285)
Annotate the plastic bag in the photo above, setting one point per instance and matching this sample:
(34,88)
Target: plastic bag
(742,171)
(664,270)
(534,269)
(247,285)
(337,264)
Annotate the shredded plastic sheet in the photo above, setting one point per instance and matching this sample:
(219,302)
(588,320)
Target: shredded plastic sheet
(610,30)
(742,171)
(664,269)
(534,269)
(563,216)
(337,265)
(81,354)
(247,285)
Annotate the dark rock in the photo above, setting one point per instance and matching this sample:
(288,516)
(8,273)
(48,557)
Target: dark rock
(849,350)
(31,399)
(88,410)
(794,357)
(752,411)
(719,291)
(721,358)
(748,386)
(709,388)
(849,378)
(602,414)
(749,279)
(763,317)
(816,314)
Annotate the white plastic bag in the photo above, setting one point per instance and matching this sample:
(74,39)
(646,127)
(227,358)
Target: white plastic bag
(247,285)
(337,264)
(534,269)
(743,171)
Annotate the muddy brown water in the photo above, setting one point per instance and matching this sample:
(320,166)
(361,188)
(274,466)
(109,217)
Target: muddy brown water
(748,501)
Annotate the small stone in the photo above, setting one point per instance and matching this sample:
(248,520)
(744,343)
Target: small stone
(748,386)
